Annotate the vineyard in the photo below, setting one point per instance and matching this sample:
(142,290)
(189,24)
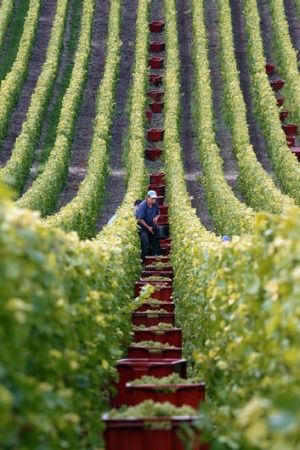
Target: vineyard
(193,103)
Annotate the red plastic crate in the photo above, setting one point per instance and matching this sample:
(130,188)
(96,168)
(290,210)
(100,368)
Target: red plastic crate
(172,337)
(155,79)
(152,353)
(160,190)
(164,209)
(163,241)
(283,115)
(270,68)
(276,85)
(131,368)
(163,219)
(156,62)
(157,178)
(157,107)
(156,26)
(177,394)
(166,249)
(156,95)
(154,259)
(136,434)
(280,99)
(157,46)
(149,115)
(158,273)
(291,140)
(296,151)
(168,306)
(152,319)
(160,200)
(166,283)
(290,129)
(164,293)
(152,154)
(155,134)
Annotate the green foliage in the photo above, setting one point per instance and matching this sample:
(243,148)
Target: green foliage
(255,184)
(11,86)
(285,164)
(82,212)
(44,192)
(286,57)
(6,10)
(229,215)
(63,320)
(12,36)
(18,166)
(61,84)
(241,327)
(70,314)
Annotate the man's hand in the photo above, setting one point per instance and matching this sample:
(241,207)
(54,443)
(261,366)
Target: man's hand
(155,220)
(150,229)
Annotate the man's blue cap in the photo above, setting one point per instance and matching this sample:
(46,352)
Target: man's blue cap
(152,194)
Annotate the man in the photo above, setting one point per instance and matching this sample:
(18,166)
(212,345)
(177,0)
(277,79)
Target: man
(147,216)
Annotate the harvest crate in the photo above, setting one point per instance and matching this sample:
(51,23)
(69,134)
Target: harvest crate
(157,107)
(152,319)
(155,134)
(154,259)
(157,46)
(169,307)
(280,99)
(171,337)
(270,68)
(155,79)
(156,62)
(290,129)
(276,85)
(135,351)
(156,26)
(177,394)
(283,115)
(152,154)
(142,434)
(155,95)
(131,368)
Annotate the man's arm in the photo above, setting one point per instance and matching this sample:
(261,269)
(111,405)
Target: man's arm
(142,222)
(157,215)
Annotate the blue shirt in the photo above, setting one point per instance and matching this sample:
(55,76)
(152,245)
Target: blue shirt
(145,212)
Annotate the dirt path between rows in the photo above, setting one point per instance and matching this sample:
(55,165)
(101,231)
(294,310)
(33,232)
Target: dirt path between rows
(37,59)
(188,136)
(294,24)
(223,135)
(56,92)
(115,185)
(84,126)
(240,42)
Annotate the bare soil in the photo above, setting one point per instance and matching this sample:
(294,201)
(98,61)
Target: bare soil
(223,135)
(84,126)
(56,92)
(115,187)
(188,137)
(240,42)
(37,59)
(294,24)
